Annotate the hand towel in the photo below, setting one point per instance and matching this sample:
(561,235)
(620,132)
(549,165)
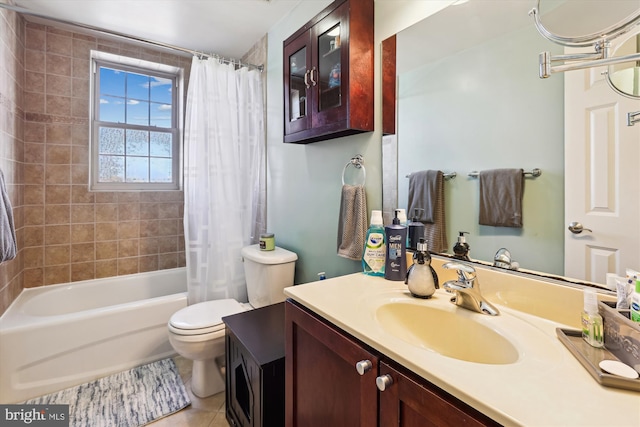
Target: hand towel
(426,191)
(8,246)
(501,197)
(423,192)
(352,222)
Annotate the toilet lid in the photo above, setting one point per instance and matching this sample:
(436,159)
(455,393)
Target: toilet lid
(205,315)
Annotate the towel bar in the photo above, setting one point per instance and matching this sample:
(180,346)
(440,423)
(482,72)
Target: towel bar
(534,173)
(447,176)
(357,162)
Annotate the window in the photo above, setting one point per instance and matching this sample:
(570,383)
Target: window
(135,117)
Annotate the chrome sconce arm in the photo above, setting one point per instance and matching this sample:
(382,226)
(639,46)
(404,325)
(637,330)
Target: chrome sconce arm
(633,118)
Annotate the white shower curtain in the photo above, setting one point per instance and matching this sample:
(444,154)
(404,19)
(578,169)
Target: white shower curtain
(224,176)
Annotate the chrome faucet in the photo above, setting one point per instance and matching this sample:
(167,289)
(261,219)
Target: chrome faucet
(467,289)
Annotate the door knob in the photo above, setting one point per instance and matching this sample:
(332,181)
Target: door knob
(577,228)
(364,366)
(383,382)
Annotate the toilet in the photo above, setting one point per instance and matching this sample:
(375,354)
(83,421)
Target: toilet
(197,332)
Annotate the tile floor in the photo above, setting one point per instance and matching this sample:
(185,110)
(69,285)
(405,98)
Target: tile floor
(209,412)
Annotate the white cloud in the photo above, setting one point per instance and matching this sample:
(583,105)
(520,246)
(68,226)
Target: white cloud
(103,101)
(133,102)
(164,107)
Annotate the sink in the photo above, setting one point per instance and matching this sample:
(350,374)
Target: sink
(447,332)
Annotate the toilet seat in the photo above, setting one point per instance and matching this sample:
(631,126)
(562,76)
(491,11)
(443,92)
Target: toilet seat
(203,318)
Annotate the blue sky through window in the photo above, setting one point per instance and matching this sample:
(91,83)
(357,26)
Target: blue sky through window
(133,98)
(133,154)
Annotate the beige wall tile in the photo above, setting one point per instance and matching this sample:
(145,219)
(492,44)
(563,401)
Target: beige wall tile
(81,233)
(107,268)
(83,252)
(83,271)
(57,255)
(106,250)
(57,274)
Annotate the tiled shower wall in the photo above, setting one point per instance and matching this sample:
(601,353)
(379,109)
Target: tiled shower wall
(11,143)
(67,233)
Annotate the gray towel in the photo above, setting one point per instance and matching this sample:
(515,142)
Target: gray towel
(352,223)
(423,193)
(426,191)
(501,197)
(8,246)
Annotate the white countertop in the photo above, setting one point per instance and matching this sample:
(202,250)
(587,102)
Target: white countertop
(546,386)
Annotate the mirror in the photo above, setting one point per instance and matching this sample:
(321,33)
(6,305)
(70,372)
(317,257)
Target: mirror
(625,78)
(469,99)
(608,28)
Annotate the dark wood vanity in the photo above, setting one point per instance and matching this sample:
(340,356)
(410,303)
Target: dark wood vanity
(331,380)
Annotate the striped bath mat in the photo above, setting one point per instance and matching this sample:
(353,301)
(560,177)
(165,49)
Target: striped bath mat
(126,399)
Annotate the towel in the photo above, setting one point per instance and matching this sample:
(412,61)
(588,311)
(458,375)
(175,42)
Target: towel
(501,197)
(8,246)
(426,191)
(352,223)
(423,192)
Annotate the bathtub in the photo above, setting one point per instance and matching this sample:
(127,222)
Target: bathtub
(58,336)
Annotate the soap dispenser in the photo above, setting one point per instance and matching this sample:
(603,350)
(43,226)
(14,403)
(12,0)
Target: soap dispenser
(421,277)
(461,248)
(416,229)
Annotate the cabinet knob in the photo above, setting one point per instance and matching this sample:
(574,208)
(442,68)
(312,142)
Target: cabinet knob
(364,366)
(383,382)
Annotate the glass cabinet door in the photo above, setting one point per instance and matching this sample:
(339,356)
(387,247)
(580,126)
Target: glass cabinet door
(299,84)
(329,69)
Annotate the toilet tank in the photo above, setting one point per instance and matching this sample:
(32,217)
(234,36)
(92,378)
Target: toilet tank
(267,274)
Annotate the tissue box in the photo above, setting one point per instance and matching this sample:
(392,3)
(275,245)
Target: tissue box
(621,335)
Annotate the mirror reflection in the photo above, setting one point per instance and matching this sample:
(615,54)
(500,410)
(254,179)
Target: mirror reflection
(625,78)
(473,101)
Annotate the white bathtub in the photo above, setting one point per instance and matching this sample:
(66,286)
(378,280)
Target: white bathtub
(54,337)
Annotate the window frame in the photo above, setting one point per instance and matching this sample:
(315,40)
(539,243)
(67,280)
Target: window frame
(127,64)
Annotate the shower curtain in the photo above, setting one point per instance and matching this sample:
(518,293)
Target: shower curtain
(224,176)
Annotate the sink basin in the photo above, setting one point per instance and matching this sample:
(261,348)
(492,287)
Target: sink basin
(447,332)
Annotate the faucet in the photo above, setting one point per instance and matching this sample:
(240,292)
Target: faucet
(503,260)
(467,289)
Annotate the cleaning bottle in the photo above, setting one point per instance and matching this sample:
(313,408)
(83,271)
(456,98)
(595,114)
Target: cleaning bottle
(592,331)
(635,302)
(373,258)
(421,277)
(415,230)
(461,248)
(395,267)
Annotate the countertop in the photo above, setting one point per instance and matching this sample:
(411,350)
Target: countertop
(546,386)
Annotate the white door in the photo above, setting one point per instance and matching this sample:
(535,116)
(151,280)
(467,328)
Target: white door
(602,178)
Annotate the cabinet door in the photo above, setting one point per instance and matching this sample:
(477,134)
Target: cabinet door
(323,387)
(298,85)
(330,73)
(409,402)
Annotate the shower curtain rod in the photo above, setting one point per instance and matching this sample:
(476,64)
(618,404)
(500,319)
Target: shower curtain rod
(24,11)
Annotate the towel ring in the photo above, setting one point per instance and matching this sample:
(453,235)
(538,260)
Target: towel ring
(358,163)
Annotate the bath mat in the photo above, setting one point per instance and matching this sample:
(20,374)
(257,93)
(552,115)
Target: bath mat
(126,399)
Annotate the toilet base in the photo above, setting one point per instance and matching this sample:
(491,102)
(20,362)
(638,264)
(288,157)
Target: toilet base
(207,378)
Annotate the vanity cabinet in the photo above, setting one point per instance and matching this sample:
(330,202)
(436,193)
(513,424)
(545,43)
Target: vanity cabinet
(254,352)
(328,74)
(331,379)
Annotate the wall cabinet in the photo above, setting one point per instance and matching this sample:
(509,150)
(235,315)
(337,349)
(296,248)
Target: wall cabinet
(333,379)
(328,74)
